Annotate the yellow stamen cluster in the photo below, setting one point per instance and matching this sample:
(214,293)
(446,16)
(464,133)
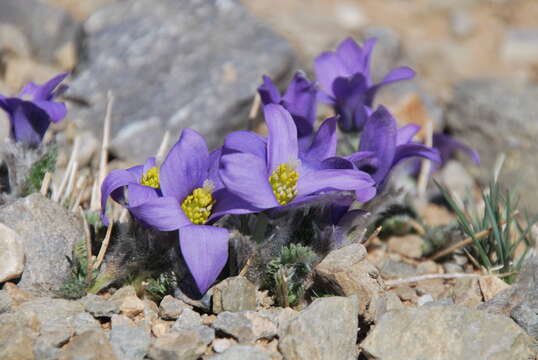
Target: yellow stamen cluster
(151,178)
(198,205)
(284,183)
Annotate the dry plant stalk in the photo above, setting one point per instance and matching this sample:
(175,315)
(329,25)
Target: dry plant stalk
(58,194)
(45,184)
(104,247)
(426,165)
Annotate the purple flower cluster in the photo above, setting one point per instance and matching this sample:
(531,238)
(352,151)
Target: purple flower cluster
(294,165)
(31,113)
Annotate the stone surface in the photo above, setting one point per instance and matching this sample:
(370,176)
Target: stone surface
(446,332)
(128,341)
(242,352)
(382,303)
(326,329)
(409,245)
(16,337)
(99,307)
(492,116)
(49,233)
(188,319)
(184,345)
(203,59)
(467,292)
(131,306)
(221,345)
(90,345)
(491,286)
(49,310)
(11,254)
(246,326)
(456,177)
(170,308)
(234,294)
(48,28)
(520,46)
(346,271)
(392,269)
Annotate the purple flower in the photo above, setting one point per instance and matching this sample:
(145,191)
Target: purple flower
(345,79)
(382,146)
(299,99)
(269,174)
(447,146)
(31,113)
(185,194)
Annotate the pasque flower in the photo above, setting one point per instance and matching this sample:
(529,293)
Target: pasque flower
(299,100)
(269,174)
(185,194)
(447,146)
(31,113)
(346,83)
(382,146)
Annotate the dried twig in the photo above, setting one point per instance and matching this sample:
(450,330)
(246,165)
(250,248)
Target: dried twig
(45,184)
(373,236)
(246,267)
(94,199)
(426,164)
(442,276)
(58,194)
(106,138)
(81,184)
(70,183)
(104,247)
(163,147)
(256,102)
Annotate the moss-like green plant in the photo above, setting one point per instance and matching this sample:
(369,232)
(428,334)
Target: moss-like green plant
(286,275)
(78,281)
(47,163)
(159,287)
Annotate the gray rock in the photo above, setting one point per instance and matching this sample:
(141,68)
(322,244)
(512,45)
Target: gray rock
(48,28)
(49,233)
(129,341)
(121,294)
(234,294)
(11,254)
(56,333)
(520,46)
(452,332)
(188,319)
(185,345)
(483,110)
(221,345)
(280,316)
(44,351)
(170,308)
(382,303)
(48,310)
(326,329)
(99,307)
(83,322)
(242,352)
(6,303)
(461,23)
(346,271)
(203,59)
(90,345)
(17,337)
(525,314)
(207,334)
(392,269)
(246,326)
(203,303)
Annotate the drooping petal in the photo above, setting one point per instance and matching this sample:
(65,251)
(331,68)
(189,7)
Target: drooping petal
(150,163)
(55,110)
(113,186)
(246,142)
(186,166)
(406,133)
(333,180)
(138,194)
(137,171)
(416,150)
(366,194)
(161,213)
(246,176)
(379,137)
(398,74)
(205,250)
(447,145)
(328,66)
(268,91)
(282,145)
(324,144)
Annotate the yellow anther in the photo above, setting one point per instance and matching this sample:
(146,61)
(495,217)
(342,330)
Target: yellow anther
(151,178)
(198,205)
(284,183)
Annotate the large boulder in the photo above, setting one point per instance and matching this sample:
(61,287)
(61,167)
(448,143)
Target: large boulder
(170,65)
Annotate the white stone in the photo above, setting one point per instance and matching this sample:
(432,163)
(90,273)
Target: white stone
(520,46)
(11,254)
(424,299)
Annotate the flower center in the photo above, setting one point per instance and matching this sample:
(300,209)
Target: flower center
(198,205)
(284,183)
(151,178)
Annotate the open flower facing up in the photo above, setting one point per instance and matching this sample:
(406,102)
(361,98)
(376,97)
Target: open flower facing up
(31,113)
(299,100)
(382,146)
(186,195)
(344,76)
(269,174)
